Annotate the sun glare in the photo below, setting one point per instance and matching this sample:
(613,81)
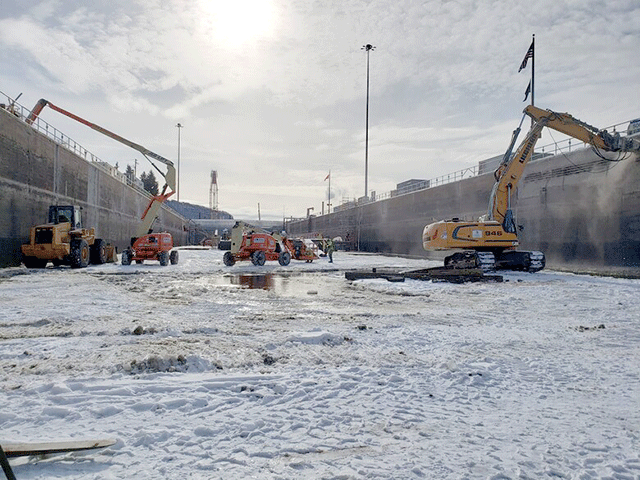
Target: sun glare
(237,22)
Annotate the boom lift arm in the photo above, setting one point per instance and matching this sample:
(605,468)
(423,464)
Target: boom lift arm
(151,212)
(511,169)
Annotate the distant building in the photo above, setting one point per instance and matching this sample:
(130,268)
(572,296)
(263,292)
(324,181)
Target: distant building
(411,186)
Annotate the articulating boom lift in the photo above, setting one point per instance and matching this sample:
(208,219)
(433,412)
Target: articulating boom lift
(490,243)
(145,245)
(256,244)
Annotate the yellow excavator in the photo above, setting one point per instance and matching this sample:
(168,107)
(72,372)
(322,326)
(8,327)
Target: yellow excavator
(490,243)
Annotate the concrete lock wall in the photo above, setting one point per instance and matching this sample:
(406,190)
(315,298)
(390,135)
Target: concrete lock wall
(581,210)
(395,225)
(36,172)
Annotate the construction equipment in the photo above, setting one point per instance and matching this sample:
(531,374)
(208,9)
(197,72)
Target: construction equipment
(64,241)
(145,245)
(301,248)
(490,243)
(259,246)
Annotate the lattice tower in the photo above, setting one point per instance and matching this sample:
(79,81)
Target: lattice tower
(213,193)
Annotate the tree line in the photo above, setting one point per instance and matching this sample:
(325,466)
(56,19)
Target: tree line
(149,182)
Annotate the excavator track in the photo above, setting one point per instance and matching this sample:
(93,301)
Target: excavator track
(524,261)
(537,261)
(485,261)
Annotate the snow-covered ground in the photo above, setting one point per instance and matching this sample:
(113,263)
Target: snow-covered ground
(204,371)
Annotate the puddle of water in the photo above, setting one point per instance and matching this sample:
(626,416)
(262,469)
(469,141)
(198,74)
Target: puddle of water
(254,282)
(279,284)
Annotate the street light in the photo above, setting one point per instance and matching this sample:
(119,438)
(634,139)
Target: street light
(368,47)
(179,125)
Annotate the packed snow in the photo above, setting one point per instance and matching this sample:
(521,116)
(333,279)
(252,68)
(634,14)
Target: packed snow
(202,371)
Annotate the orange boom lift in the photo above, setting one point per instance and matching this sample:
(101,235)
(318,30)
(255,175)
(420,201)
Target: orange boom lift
(145,245)
(259,246)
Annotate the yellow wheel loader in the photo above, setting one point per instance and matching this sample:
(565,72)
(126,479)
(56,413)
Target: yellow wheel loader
(63,241)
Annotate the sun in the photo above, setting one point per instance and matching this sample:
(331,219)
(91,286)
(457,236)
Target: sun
(238,22)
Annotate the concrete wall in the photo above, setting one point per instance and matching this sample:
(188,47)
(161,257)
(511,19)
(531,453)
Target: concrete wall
(395,225)
(36,172)
(581,210)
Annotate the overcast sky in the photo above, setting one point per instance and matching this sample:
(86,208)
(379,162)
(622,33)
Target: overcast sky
(272,93)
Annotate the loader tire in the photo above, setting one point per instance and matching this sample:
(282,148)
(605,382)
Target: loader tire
(228,259)
(126,257)
(258,258)
(284,258)
(173,257)
(79,253)
(163,257)
(99,252)
(34,262)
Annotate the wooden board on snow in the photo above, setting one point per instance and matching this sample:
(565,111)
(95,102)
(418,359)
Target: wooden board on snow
(44,448)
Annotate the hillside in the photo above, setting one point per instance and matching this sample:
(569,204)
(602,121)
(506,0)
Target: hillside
(189,210)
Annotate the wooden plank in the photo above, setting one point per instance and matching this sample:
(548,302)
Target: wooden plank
(44,448)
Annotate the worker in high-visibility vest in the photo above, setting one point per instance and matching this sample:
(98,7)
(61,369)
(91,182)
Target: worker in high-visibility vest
(330,249)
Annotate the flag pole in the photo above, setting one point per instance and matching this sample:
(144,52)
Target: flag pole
(533,67)
(329,199)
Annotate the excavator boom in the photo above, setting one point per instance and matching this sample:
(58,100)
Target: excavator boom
(511,170)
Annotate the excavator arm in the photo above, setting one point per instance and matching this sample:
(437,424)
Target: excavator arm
(511,169)
(151,212)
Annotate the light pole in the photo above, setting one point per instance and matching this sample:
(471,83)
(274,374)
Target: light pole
(179,125)
(368,47)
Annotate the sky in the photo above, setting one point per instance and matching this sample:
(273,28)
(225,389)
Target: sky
(272,94)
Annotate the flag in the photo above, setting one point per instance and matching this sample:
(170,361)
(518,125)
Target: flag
(327,177)
(527,56)
(527,91)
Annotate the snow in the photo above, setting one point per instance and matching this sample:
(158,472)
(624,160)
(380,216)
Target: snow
(302,374)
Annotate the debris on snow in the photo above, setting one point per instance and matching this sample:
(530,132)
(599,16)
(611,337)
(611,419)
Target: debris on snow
(585,329)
